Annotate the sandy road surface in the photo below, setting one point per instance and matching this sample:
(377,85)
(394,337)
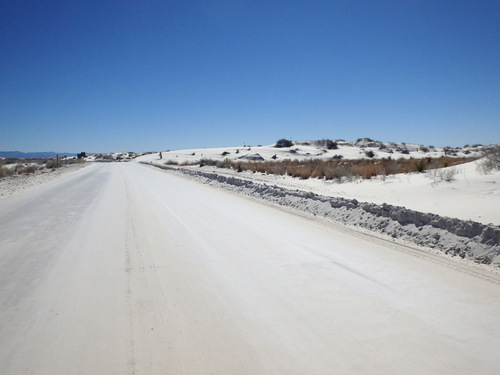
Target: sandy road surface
(124,269)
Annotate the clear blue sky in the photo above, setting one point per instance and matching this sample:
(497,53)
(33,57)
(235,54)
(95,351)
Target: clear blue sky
(138,75)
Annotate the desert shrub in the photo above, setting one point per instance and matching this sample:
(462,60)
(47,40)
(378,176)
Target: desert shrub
(278,169)
(302,171)
(439,175)
(366,169)
(207,162)
(3,171)
(30,169)
(327,143)
(226,163)
(491,161)
(75,161)
(421,165)
(331,145)
(337,171)
(341,170)
(52,163)
(449,151)
(370,154)
(367,140)
(330,172)
(19,168)
(283,143)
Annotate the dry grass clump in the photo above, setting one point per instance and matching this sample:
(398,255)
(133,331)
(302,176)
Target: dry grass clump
(439,175)
(336,169)
(74,161)
(30,166)
(171,162)
(491,161)
(4,172)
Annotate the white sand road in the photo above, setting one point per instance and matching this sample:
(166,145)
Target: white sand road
(120,268)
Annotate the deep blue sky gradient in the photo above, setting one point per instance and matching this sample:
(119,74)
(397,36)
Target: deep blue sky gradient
(133,75)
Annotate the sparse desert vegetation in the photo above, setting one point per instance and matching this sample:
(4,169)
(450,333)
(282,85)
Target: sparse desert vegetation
(283,143)
(337,159)
(15,167)
(491,161)
(338,169)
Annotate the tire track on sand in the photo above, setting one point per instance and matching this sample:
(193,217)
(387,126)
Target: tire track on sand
(145,295)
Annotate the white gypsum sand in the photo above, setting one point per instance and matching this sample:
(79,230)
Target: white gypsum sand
(12,185)
(470,195)
(123,268)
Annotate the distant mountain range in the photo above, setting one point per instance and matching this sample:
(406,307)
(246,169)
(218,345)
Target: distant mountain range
(32,155)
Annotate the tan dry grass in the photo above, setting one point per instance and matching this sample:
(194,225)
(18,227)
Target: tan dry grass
(340,169)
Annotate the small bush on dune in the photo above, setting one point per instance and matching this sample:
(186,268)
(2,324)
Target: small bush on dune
(327,143)
(226,163)
(370,154)
(75,161)
(318,172)
(439,175)
(331,145)
(421,165)
(283,143)
(31,169)
(301,171)
(51,164)
(171,162)
(491,161)
(19,169)
(278,169)
(3,171)
(207,162)
(336,171)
